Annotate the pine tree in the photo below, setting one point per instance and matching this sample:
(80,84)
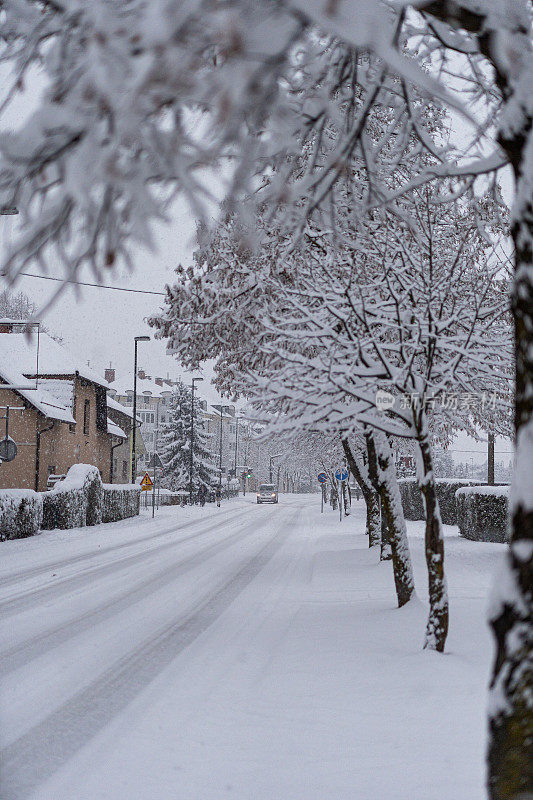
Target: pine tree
(176,444)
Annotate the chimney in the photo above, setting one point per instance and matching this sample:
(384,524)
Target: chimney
(159,381)
(141,374)
(109,374)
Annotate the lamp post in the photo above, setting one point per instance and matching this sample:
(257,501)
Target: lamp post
(236,443)
(220,452)
(133,453)
(191,454)
(220,409)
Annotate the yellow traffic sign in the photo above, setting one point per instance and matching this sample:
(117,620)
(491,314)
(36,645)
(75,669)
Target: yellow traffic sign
(146,483)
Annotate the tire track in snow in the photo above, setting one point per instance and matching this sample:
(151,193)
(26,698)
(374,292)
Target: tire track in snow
(38,645)
(51,591)
(33,572)
(34,757)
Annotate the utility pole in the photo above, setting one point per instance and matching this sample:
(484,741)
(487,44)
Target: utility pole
(220,451)
(490,460)
(220,409)
(133,453)
(191,454)
(155,456)
(236,442)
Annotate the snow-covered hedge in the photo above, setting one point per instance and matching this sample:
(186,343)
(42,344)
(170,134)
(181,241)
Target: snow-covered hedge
(76,501)
(21,513)
(413,504)
(482,513)
(120,501)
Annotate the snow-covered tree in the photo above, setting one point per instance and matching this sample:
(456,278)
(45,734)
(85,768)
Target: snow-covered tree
(16,305)
(176,444)
(409,304)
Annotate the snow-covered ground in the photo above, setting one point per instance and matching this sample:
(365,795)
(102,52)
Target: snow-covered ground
(251,652)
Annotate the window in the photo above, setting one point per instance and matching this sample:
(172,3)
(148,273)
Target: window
(101,409)
(72,425)
(51,470)
(86,417)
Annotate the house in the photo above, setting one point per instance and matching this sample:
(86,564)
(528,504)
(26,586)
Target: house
(121,452)
(58,410)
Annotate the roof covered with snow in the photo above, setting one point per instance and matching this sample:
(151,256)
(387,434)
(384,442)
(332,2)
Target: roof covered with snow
(41,397)
(116,406)
(54,359)
(144,386)
(115,430)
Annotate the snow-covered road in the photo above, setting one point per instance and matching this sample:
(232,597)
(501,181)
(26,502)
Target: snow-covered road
(251,652)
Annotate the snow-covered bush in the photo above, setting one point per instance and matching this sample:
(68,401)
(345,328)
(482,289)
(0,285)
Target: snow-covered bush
(76,501)
(93,489)
(63,509)
(120,501)
(21,513)
(482,513)
(413,506)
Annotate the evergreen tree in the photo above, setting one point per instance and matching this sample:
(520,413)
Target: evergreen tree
(176,444)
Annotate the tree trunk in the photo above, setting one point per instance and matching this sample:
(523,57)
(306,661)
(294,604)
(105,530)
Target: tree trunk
(370,495)
(510,754)
(334,495)
(386,550)
(381,470)
(437,626)
(346,498)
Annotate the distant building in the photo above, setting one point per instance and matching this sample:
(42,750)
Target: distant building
(58,411)
(153,398)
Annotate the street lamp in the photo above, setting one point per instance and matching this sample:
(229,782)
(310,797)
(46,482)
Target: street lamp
(191,455)
(133,454)
(236,442)
(220,409)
